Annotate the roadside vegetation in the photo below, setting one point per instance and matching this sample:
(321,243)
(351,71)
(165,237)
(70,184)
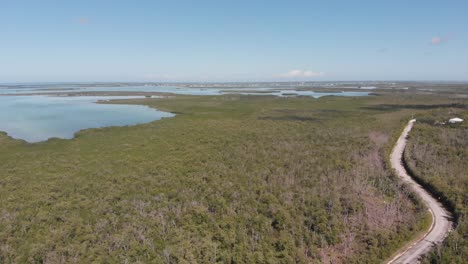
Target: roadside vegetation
(437,154)
(230,179)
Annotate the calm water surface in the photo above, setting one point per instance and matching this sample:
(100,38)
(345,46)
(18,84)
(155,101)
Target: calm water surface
(38,118)
(169,89)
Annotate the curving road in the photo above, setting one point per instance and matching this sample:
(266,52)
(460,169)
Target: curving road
(441,218)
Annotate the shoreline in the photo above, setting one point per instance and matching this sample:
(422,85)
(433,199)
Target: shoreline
(113,101)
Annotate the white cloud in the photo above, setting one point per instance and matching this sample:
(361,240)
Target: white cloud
(439,40)
(83,20)
(302,74)
(157,77)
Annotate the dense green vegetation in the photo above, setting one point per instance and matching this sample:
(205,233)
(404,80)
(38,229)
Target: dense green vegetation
(437,154)
(230,179)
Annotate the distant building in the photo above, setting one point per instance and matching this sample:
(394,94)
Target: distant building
(455,120)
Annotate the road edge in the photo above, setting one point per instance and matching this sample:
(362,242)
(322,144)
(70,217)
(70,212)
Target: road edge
(399,149)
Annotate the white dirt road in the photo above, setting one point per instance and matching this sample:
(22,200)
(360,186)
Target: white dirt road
(441,218)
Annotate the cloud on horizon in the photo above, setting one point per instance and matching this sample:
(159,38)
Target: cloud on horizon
(158,77)
(439,40)
(302,74)
(83,21)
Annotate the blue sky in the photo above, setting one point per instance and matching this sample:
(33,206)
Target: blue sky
(98,40)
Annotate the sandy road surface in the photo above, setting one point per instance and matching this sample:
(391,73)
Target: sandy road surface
(441,218)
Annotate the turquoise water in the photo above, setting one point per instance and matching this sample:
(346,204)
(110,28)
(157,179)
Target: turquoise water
(14,89)
(38,118)
(217,91)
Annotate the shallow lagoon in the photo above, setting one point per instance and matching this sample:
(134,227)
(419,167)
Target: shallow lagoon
(170,89)
(38,118)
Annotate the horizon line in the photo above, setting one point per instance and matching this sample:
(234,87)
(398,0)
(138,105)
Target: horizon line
(214,82)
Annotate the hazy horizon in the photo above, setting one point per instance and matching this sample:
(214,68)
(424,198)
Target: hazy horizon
(236,82)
